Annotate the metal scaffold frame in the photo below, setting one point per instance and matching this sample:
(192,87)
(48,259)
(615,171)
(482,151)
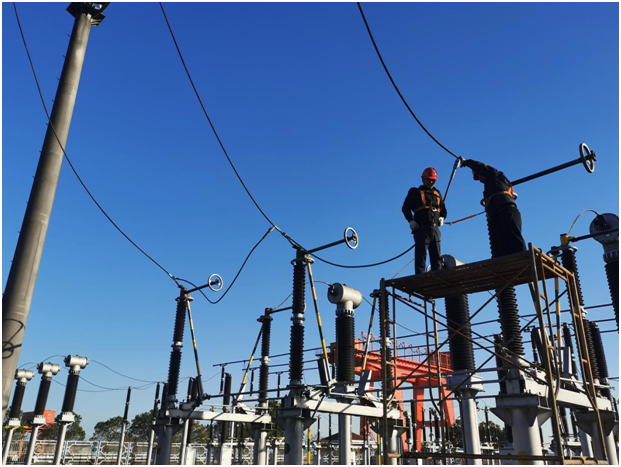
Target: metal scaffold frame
(531,267)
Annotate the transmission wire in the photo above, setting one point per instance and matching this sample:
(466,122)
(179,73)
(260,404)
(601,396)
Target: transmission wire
(238,272)
(67,157)
(213,128)
(364,265)
(397,88)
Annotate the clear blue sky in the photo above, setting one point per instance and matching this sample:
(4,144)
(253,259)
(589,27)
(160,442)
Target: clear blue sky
(323,142)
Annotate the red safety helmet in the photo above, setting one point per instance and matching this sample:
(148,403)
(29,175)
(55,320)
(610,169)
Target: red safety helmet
(430,173)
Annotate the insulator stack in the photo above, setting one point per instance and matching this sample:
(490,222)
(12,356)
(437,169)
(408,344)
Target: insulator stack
(345,337)
(600,355)
(385,338)
(564,424)
(296,365)
(569,344)
(44,390)
(18,398)
(129,395)
(175,356)
(71,391)
(534,333)
(507,303)
(568,259)
(460,344)
(502,373)
(591,348)
(612,273)
(605,230)
(265,352)
(226,400)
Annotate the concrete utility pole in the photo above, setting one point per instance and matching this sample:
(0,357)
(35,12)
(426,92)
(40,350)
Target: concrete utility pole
(23,274)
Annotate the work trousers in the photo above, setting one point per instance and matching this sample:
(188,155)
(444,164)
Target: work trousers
(427,237)
(508,222)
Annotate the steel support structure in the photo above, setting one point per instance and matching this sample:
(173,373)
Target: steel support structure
(520,407)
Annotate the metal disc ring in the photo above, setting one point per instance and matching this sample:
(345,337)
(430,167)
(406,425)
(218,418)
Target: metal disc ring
(588,158)
(216,280)
(353,239)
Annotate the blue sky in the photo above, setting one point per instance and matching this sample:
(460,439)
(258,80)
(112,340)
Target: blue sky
(321,139)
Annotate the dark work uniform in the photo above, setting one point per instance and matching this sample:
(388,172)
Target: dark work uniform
(501,207)
(425,206)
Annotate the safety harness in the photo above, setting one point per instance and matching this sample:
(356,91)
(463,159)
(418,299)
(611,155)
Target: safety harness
(510,193)
(432,201)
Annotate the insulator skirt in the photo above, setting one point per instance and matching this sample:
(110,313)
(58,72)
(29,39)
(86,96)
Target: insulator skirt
(346,360)
(591,349)
(296,361)
(612,272)
(70,392)
(226,400)
(600,355)
(296,366)
(44,390)
(179,322)
(510,321)
(458,314)
(568,259)
(173,371)
(18,398)
(265,351)
(299,284)
(385,337)
(507,303)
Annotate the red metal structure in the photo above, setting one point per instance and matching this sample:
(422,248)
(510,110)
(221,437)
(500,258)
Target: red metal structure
(420,376)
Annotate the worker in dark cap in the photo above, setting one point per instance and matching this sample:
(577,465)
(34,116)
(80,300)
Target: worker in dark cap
(500,205)
(424,209)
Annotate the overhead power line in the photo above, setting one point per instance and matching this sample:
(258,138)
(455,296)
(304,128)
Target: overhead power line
(213,128)
(67,157)
(236,275)
(397,88)
(364,265)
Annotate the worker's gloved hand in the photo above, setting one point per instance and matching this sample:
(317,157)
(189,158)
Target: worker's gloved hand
(441,222)
(413,225)
(462,162)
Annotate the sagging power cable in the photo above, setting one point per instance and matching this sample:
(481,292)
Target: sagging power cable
(364,265)
(397,88)
(236,275)
(69,161)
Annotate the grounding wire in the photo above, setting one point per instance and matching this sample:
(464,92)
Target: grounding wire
(363,265)
(576,219)
(67,157)
(236,275)
(397,88)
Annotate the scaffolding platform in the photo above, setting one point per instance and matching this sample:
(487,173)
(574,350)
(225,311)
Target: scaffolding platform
(490,274)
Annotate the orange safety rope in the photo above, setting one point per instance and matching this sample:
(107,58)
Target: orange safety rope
(464,219)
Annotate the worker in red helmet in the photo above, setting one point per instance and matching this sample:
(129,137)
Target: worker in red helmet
(501,207)
(424,209)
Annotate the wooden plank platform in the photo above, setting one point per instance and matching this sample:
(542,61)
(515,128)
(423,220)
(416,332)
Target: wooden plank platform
(470,278)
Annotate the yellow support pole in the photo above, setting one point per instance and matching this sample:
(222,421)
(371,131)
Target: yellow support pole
(312,284)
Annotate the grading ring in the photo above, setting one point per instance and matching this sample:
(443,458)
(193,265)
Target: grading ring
(588,158)
(353,238)
(216,280)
